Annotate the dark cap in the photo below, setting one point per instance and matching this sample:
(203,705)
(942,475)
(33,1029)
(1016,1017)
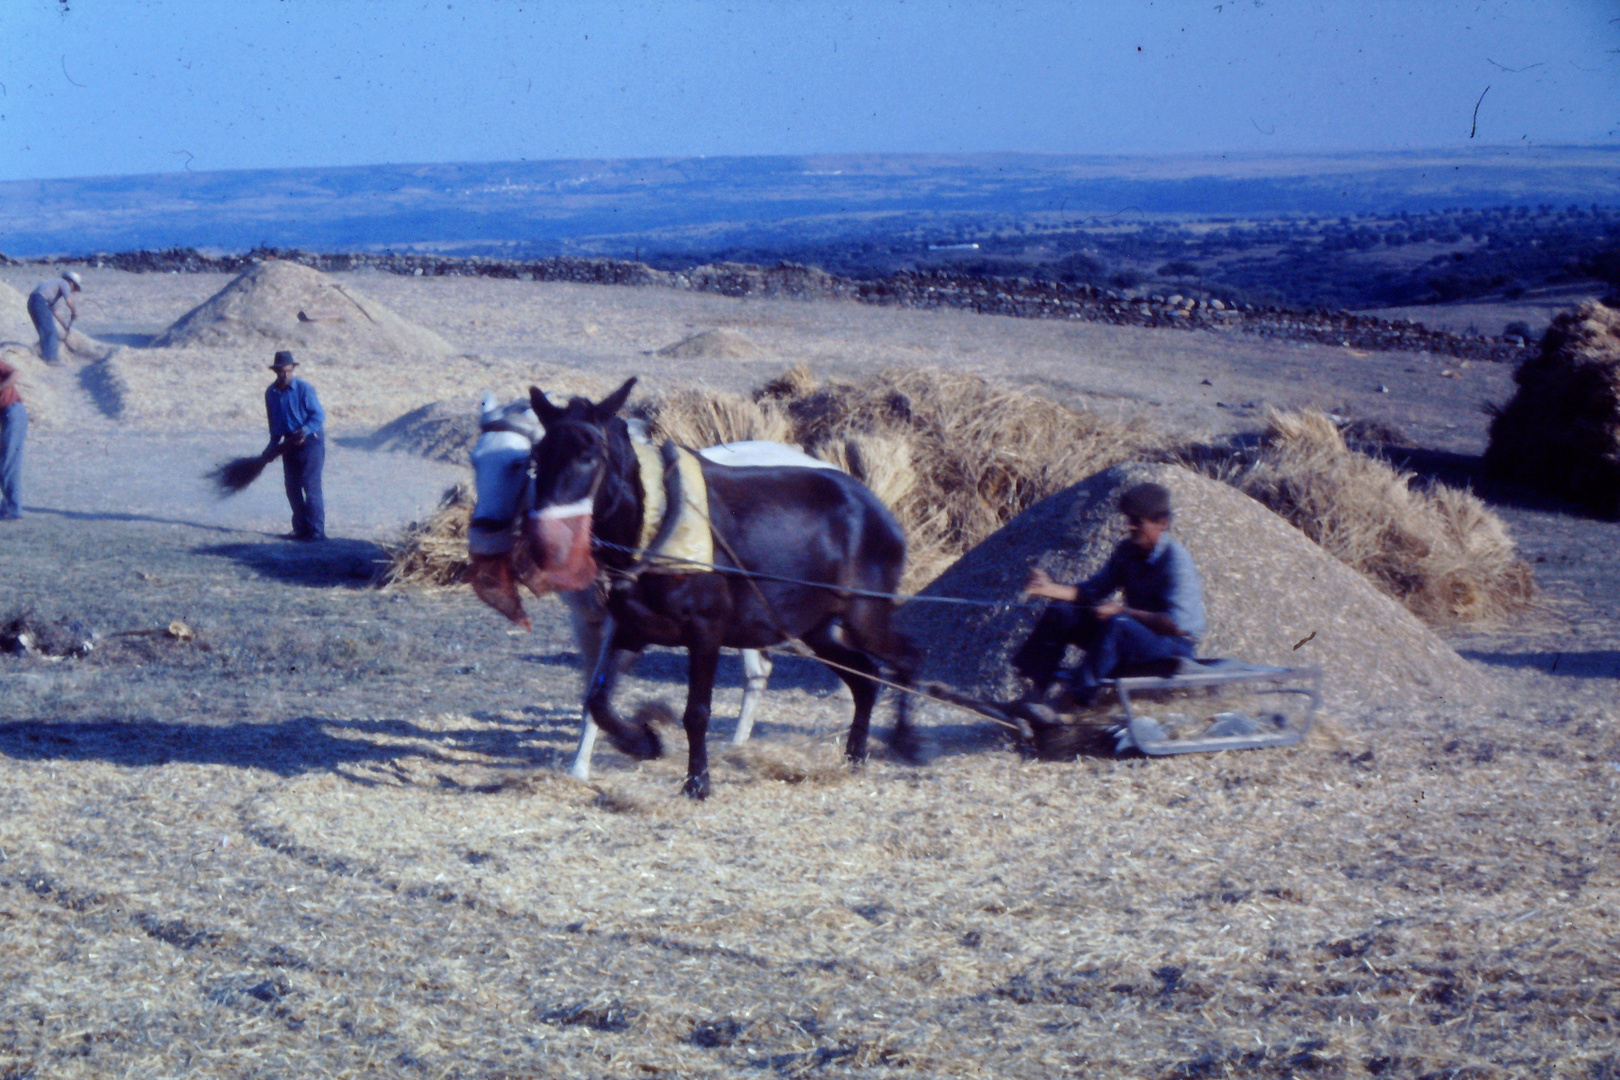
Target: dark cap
(1148,501)
(283,359)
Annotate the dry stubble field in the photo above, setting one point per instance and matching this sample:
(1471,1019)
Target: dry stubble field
(330,835)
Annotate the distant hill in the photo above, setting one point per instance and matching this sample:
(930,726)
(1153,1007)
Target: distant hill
(694,206)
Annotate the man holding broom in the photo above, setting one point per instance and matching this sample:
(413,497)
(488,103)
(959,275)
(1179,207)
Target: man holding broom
(297,434)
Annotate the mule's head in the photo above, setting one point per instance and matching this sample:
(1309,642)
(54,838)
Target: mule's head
(571,462)
(500,461)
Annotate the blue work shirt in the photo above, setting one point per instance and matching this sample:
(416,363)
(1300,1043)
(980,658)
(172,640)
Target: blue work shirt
(293,410)
(1163,581)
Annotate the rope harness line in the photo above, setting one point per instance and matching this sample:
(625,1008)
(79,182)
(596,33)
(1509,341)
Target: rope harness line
(643,557)
(866,593)
(796,646)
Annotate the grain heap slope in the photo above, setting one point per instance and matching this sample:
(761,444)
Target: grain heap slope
(282,305)
(1267,589)
(15,325)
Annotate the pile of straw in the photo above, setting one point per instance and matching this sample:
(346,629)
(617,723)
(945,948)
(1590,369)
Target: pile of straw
(953,455)
(433,553)
(1437,550)
(1560,433)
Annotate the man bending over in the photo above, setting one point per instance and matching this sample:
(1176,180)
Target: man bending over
(1161,617)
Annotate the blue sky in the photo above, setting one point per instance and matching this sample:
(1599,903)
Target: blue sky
(99,87)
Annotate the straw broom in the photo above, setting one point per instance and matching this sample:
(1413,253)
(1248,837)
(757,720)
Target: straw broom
(238,473)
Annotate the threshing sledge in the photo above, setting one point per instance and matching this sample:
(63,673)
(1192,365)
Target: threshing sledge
(1228,730)
(1189,686)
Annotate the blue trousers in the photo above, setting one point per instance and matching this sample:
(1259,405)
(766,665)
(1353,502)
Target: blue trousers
(50,333)
(1110,646)
(13,430)
(301,468)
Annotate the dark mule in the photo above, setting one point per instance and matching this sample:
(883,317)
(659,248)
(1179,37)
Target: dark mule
(816,538)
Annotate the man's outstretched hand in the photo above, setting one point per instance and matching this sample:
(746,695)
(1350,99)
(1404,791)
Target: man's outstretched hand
(1040,584)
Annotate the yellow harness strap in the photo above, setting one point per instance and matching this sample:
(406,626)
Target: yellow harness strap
(691,538)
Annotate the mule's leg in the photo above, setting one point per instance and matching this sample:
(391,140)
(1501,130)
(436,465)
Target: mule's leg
(756,671)
(911,746)
(592,629)
(702,661)
(637,740)
(856,669)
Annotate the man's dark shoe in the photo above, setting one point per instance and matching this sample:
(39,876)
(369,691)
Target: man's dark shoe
(1076,698)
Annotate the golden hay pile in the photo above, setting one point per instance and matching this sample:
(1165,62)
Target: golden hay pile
(953,455)
(434,552)
(1437,550)
(1560,433)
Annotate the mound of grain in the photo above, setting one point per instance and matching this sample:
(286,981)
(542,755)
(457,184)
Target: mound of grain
(15,325)
(439,430)
(1267,589)
(37,382)
(1560,433)
(1438,550)
(712,345)
(282,305)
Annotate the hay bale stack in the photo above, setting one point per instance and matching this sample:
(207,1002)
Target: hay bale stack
(1439,551)
(282,305)
(712,345)
(1267,588)
(1560,433)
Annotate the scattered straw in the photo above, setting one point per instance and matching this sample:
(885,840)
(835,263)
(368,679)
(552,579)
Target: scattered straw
(1438,550)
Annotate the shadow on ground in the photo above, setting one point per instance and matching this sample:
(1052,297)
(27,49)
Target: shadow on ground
(288,748)
(112,515)
(352,563)
(1594,664)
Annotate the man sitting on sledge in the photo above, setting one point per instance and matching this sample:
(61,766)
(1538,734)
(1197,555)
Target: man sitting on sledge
(1161,618)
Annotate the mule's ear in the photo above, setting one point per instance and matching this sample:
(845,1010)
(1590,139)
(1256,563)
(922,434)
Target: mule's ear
(543,408)
(609,406)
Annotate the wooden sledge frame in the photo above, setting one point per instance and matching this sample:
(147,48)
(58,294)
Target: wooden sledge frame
(1150,737)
